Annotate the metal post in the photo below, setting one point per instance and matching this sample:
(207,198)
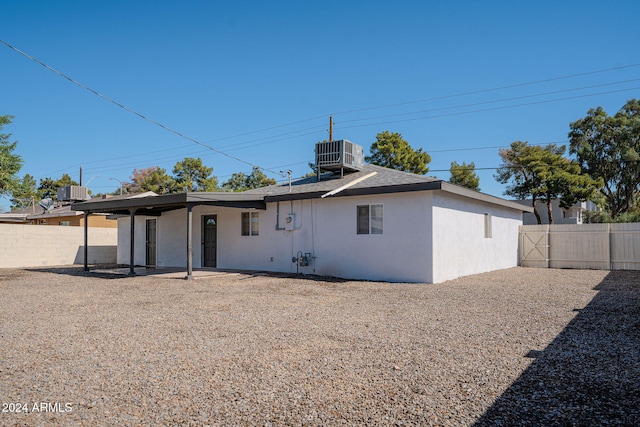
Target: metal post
(132,214)
(189,242)
(86,241)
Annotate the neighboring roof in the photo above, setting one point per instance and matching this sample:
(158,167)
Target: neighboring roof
(370,180)
(13,217)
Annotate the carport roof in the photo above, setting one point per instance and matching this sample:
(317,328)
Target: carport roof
(154,205)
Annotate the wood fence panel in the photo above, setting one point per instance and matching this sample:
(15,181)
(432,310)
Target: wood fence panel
(582,246)
(534,246)
(579,246)
(625,246)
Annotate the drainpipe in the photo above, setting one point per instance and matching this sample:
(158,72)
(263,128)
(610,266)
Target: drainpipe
(278,217)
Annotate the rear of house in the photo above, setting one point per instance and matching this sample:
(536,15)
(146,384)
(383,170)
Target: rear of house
(419,229)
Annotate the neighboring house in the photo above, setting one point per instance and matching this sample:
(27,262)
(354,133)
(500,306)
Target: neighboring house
(57,215)
(573,215)
(49,212)
(372,224)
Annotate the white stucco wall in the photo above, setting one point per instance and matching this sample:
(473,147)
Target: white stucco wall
(124,239)
(460,247)
(428,237)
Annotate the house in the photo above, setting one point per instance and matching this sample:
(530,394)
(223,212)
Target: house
(572,215)
(366,222)
(60,214)
(49,212)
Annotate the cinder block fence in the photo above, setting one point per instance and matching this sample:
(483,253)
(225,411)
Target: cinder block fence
(24,245)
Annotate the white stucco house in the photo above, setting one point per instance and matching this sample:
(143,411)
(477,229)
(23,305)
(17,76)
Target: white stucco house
(572,215)
(374,224)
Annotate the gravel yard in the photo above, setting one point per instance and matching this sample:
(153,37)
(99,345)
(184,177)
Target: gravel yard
(512,347)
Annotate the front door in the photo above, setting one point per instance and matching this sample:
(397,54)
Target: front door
(209,240)
(151,243)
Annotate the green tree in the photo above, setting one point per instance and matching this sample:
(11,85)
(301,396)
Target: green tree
(465,175)
(24,193)
(608,148)
(258,179)
(542,173)
(10,163)
(391,151)
(153,178)
(48,187)
(191,175)
(241,182)
(237,182)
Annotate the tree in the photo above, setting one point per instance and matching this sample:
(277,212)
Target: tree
(10,163)
(465,175)
(191,175)
(391,151)
(153,178)
(542,173)
(237,182)
(608,148)
(24,193)
(48,187)
(241,182)
(258,179)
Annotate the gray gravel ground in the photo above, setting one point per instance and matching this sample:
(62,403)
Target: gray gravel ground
(512,347)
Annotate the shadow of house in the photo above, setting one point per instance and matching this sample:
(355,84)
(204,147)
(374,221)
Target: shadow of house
(590,374)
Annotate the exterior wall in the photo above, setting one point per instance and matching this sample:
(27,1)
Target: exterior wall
(323,228)
(124,240)
(28,246)
(460,247)
(428,237)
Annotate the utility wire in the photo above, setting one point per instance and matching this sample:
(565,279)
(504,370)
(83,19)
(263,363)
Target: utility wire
(475,92)
(188,138)
(493,108)
(348,111)
(492,101)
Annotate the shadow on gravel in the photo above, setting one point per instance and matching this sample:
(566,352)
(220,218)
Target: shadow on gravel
(590,374)
(77,271)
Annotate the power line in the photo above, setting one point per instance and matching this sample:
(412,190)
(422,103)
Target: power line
(188,138)
(492,101)
(475,92)
(493,108)
(244,144)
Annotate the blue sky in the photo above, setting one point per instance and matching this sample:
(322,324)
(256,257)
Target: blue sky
(258,80)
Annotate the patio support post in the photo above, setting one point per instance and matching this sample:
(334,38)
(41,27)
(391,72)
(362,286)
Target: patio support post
(132,214)
(86,241)
(189,242)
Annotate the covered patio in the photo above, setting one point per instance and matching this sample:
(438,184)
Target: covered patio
(151,204)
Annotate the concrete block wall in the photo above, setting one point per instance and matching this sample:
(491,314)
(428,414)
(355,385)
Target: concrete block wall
(25,245)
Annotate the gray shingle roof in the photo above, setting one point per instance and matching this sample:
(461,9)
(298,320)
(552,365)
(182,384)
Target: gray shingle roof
(384,178)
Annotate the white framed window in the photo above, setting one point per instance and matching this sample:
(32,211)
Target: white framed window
(370,219)
(250,224)
(65,223)
(487,226)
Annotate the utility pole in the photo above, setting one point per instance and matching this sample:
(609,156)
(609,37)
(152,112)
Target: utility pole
(330,128)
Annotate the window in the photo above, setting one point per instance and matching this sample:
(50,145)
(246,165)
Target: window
(487,226)
(250,224)
(369,219)
(65,223)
